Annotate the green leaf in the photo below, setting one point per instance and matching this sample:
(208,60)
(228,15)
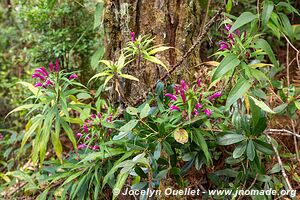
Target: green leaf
(115,167)
(262,105)
(109,152)
(263,147)
(289,7)
(98,15)
(155,60)
(267,12)
(243,19)
(100,75)
(297,104)
(238,91)
(108,79)
(127,76)
(228,6)
(200,141)
(157,151)
(229,139)
(158,49)
(38,122)
(83,95)
(168,148)
(129,125)
(264,45)
(239,150)
(55,138)
(69,132)
(20,108)
(228,63)
(97,56)
(131,110)
(119,184)
(251,150)
(145,111)
(31,87)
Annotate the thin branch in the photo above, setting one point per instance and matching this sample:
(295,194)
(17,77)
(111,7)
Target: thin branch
(282,131)
(280,164)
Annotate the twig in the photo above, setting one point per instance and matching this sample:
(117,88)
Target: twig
(282,131)
(174,67)
(298,52)
(280,163)
(296,143)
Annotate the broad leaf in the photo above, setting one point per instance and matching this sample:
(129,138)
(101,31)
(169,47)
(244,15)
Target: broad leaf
(243,19)
(251,150)
(229,139)
(267,12)
(262,105)
(239,150)
(264,45)
(228,63)
(238,91)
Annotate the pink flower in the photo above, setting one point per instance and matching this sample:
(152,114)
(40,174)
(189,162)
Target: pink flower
(82,146)
(42,71)
(132,34)
(176,88)
(96,147)
(1,136)
(237,32)
(245,35)
(195,112)
(87,138)
(73,76)
(109,119)
(230,36)
(93,116)
(183,85)
(172,97)
(227,27)
(183,97)
(215,95)
(172,108)
(199,82)
(51,66)
(36,75)
(57,65)
(48,82)
(198,105)
(85,128)
(79,135)
(207,112)
(38,84)
(223,46)
(99,115)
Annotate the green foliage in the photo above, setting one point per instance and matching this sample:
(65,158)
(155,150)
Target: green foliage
(49,112)
(218,130)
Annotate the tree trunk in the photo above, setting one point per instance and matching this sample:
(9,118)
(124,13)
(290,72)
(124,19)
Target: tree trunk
(175,23)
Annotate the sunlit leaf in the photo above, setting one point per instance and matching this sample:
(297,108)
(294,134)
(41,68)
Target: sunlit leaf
(181,136)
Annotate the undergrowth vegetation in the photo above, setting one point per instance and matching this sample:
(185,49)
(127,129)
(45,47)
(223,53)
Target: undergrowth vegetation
(75,133)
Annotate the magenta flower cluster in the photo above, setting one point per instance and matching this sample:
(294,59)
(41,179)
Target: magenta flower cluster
(226,45)
(45,77)
(132,34)
(87,134)
(184,93)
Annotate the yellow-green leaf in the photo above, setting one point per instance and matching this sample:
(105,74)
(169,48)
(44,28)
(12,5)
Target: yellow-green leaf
(181,136)
(127,76)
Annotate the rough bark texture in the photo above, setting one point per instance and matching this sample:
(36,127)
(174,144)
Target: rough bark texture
(175,23)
